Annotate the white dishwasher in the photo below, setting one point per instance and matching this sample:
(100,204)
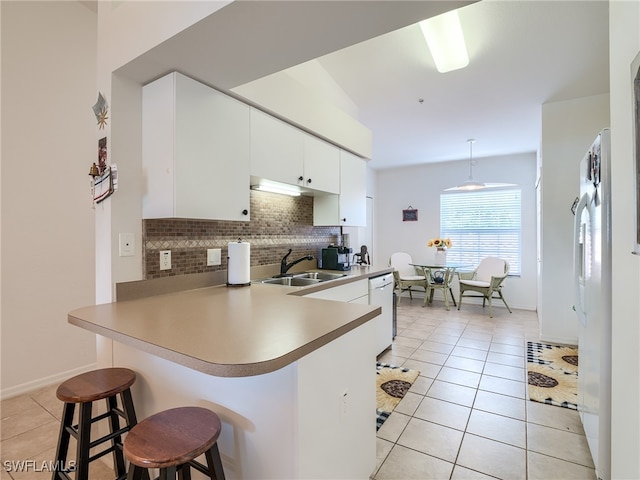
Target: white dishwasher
(381,295)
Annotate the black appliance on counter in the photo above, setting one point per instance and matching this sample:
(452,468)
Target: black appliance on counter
(336,258)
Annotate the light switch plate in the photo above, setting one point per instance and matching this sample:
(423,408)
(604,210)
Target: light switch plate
(165,259)
(127,244)
(214,256)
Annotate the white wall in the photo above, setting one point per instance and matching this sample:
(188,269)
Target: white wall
(624,45)
(131,31)
(420,187)
(299,104)
(48,145)
(568,129)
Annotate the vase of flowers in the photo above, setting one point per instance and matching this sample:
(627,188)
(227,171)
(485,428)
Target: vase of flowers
(441,244)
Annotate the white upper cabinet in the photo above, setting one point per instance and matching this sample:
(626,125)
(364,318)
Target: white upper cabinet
(284,153)
(321,165)
(276,149)
(349,208)
(196,151)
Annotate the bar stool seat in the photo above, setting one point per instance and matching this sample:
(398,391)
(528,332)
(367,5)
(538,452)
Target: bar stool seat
(171,441)
(83,390)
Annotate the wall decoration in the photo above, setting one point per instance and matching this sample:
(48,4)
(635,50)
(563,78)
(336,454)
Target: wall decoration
(102,154)
(104,177)
(102,186)
(100,110)
(410,214)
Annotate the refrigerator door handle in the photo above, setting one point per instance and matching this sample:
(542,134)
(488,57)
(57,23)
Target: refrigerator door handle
(579,258)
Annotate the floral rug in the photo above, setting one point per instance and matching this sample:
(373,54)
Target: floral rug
(552,374)
(392,383)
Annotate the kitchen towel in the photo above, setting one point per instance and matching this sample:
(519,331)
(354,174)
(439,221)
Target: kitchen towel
(238,272)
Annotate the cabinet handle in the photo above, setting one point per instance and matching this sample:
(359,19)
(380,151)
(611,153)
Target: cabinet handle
(308,180)
(245,212)
(344,219)
(300,178)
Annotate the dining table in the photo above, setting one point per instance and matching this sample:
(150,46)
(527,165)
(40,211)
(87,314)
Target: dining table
(441,281)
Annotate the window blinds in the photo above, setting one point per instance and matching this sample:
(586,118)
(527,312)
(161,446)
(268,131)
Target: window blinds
(482,224)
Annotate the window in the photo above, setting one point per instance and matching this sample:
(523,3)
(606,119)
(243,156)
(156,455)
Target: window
(482,224)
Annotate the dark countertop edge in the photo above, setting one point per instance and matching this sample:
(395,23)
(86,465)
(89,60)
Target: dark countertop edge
(221,370)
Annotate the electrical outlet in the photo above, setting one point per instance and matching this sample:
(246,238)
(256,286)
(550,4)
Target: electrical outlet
(127,244)
(214,256)
(165,259)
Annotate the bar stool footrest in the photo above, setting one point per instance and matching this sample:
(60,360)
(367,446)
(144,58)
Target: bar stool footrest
(199,466)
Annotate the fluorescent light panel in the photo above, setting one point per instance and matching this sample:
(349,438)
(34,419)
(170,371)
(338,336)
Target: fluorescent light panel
(446,41)
(275,187)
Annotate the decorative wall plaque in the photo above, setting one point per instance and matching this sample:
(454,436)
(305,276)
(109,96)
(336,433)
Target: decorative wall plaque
(410,214)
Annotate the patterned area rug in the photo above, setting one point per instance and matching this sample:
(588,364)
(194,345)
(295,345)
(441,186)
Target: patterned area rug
(552,374)
(392,383)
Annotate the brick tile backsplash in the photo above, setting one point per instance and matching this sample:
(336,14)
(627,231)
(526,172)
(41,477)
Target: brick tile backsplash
(277,223)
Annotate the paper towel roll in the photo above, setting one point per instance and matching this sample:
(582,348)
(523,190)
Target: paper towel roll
(238,272)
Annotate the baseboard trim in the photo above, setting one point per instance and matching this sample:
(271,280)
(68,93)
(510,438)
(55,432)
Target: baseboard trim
(43,382)
(474,301)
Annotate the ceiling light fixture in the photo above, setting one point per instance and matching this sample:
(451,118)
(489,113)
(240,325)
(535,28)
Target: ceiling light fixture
(471,185)
(444,37)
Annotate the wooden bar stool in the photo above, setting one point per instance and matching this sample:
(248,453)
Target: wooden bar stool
(171,441)
(85,389)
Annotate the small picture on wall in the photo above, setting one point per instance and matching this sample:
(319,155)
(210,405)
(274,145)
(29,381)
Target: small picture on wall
(102,154)
(410,215)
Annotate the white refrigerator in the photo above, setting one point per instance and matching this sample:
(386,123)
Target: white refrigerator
(592,277)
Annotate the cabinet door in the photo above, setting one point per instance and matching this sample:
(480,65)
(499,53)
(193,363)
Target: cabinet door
(321,165)
(212,153)
(158,120)
(349,292)
(195,151)
(276,149)
(349,208)
(353,190)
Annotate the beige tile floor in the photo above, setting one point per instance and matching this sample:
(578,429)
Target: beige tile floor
(467,416)
(29,433)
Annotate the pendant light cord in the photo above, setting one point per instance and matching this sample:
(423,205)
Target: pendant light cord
(471,140)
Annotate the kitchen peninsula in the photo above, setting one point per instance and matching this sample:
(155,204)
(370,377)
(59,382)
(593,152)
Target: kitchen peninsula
(292,377)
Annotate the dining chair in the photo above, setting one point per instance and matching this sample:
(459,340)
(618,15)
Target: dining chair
(406,276)
(486,280)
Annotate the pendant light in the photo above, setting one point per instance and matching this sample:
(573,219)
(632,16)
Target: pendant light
(471,184)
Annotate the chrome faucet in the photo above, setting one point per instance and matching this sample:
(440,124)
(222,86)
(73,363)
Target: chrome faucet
(284,266)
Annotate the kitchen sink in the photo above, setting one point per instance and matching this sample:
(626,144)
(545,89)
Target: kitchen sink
(302,279)
(291,281)
(322,276)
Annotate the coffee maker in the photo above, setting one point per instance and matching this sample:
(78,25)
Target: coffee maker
(336,258)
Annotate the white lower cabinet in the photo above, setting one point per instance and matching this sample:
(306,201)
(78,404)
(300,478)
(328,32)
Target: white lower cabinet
(195,151)
(354,292)
(311,419)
